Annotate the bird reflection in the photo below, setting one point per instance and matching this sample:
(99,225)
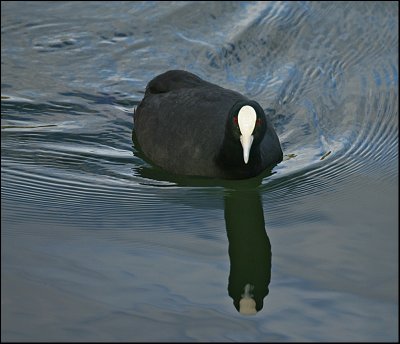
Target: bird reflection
(249,250)
(249,245)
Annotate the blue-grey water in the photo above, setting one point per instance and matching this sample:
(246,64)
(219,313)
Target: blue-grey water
(97,245)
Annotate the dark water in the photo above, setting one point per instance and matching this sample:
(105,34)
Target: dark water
(98,245)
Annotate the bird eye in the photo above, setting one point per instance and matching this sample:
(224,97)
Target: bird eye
(235,120)
(258,122)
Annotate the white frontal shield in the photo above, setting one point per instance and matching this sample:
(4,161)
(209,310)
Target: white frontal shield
(247,121)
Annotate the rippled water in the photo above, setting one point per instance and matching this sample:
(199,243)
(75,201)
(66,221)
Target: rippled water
(98,245)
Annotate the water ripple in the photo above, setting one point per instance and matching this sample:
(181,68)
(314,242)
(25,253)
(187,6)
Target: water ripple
(337,117)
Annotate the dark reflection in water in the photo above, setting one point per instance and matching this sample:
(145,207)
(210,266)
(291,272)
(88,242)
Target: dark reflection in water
(249,250)
(249,245)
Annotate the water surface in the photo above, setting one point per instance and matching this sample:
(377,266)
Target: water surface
(99,245)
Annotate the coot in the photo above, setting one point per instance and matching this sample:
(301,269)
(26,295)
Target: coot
(189,126)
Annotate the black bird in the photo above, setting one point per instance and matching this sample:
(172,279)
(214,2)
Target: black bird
(189,126)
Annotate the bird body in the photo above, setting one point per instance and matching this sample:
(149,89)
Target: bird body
(189,126)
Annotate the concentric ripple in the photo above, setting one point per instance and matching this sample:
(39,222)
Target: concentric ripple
(336,116)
